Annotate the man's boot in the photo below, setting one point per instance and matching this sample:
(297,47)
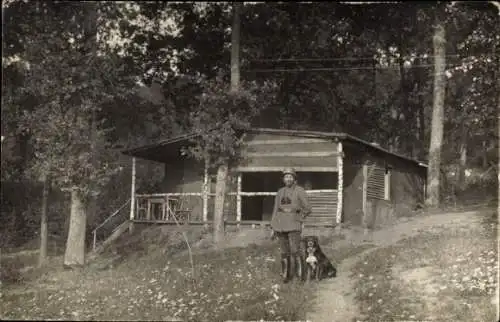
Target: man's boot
(299,267)
(285,268)
(291,268)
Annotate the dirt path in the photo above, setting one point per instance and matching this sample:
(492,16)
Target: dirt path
(335,299)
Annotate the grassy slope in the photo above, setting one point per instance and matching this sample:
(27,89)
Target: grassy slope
(154,282)
(235,283)
(455,276)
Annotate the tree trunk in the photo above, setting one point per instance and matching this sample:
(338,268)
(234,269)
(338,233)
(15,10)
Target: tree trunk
(419,152)
(498,121)
(463,158)
(485,154)
(417,144)
(222,171)
(90,30)
(404,117)
(220,192)
(75,244)
(421,131)
(433,172)
(44,233)
(66,225)
(235,48)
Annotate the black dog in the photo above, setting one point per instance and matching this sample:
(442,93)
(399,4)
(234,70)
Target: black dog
(317,265)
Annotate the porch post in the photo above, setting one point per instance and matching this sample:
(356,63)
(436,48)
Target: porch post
(365,187)
(205,192)
(238,200)
(340,188)
(132,196)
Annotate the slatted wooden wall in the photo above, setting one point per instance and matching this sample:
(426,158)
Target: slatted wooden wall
(375,187)
(324,207)
(275,152)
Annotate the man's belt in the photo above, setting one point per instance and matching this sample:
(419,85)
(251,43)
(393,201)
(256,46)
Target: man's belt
(289,210)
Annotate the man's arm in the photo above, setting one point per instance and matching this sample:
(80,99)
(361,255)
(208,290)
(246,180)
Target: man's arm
(304,201)
(275,210)
(276,202)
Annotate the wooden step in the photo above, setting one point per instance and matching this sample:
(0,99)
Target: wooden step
(324,206)
(323,214)
(322,200)
(324,210)
(320,218)
(320,221)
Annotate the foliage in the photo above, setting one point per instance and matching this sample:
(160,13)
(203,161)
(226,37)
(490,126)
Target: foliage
(221,115)
(376,83)
(382,107)
(195,44)
(322,99)
(472,84)
(69,81)
(174,49)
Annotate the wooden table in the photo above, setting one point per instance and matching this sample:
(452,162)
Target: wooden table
(169,206)
(155,201)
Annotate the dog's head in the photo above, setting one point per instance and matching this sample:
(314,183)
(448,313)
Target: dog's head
(310,244)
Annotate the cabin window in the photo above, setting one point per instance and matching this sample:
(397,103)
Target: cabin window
(378,183)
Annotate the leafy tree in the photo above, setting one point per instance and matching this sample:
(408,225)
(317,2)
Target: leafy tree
(433,174)
(71,78)
(379,89)
(387,99)
(219,118)
(473,84)
(224,111)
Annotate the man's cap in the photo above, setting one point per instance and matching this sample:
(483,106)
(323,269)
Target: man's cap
(289,171)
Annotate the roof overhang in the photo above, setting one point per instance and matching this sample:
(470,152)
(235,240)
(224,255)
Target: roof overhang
(165,150)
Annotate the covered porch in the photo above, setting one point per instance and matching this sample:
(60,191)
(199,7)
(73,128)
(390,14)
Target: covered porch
(252,183)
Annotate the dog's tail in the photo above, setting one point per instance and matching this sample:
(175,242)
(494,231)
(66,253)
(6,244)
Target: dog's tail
(332,272)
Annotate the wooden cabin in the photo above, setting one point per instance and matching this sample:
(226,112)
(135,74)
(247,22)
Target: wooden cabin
(348,180)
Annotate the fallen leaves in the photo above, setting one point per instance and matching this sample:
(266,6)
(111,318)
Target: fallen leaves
(233,283)
(462,276)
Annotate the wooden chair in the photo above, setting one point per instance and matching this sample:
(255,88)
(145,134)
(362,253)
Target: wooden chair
(158,202)
(181,212)
(141,208)
(170,205)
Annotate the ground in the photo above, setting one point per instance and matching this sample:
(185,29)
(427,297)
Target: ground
(435,267)
(430,267)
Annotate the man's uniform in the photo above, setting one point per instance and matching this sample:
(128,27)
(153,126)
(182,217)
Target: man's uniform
(291,206)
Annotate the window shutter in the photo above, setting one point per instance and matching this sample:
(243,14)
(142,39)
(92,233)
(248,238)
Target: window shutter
(376,182)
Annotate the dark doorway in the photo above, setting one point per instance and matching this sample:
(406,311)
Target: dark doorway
(259,207)
(261,181)
(318,180)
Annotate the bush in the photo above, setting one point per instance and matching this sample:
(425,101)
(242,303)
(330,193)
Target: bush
(10,271)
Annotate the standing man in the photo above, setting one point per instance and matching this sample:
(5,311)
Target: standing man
(291,206)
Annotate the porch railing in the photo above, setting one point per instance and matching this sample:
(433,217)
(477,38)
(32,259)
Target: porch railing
(161,207)
(110,224)
(242,193)
(166,206)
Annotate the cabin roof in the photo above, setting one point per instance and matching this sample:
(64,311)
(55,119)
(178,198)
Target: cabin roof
(168,148)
